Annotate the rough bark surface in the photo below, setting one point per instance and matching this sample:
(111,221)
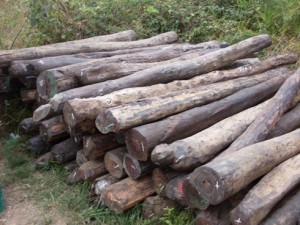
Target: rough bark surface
(174,189)
(37,146)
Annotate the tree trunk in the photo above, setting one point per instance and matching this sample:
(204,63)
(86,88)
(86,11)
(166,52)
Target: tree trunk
(53,130)
(28,96)
(267,120)
(82,47)
(43,160)
(114,162)
(152,109)
(268,192)
(65,151)
(37,146)
(141,140)
(136,169)
(80,110)
(174,189)
(169,72)
(80,158)
(91,170)
(127,193)
(95,147)
(28,126)
(222,178)
(43,112)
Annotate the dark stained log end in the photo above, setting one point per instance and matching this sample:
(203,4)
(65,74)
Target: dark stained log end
(137,145)
(28,126)
(42,112)
(37,146)
(114,162)
(105,122)
(174,189)
(69,114)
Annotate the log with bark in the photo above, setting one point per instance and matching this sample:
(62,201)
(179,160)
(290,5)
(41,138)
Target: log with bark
(37,146)
(91,170)
(65,151)
(80,158)
(220,179)
(73,177)
(136,169)
(269,117)
(127,193)
(53,130)
(28,96)
(174,189)
(44,160)
(114,162)
(141,140)
(148,110)
(43,112)
(20,68)
(167,73)
(268,192)
(28,126)
(80,110)
(95,146)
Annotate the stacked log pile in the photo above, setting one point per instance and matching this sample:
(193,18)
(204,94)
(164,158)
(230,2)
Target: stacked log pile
(172,125)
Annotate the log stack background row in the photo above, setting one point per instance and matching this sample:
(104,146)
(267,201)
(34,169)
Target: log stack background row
(170,125)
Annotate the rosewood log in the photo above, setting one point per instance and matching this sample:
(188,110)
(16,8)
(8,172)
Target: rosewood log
(127,193)
(268,192)
(114,162)
(28,126)
(73,177)
(44,160)
(174,189)
(269,117)
(91,170)
(80,158)
(43,112)
(220,179)
(141,140)
(167,73)
(65,151)
(53,130)
(155,108)
(135,169)
(37,146)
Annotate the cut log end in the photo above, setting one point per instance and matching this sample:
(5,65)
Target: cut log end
(42,112)
(137,145)
(132,167)
(106,123)
(114,162)
(162,155)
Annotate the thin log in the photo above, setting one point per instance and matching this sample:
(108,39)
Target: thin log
(95,146)
(53,130)
(174,189)
(28,126)
(114,162)
(80,158)
(167,73)
(37,146)
(43,112)
(127,193)
(217,180)
(268,192)
(73,177)
(80,110)
(136,169)
(148,110)
(91,170)
(44,160)
(65,151)
(141,140)
(269,117)
(28,96)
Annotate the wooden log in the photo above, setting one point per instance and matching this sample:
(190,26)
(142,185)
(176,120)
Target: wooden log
(65,151)
(286,212)
(136,169)
(156,206)
(148,110)
(127,193)
(167,73)
(287,123)
(174,189)
(73,177)
(44,160)
(70,166)
(78,46)
(141,140)
(95,146)
(242,62)
(114,162)
(29,81)
(28,126)
(80,158)
(28,96)
(37,146)
(53,130)
(268,192)
(217,180)
(43,112)
(80,110)
(20,68)
(91,170)
(269,117)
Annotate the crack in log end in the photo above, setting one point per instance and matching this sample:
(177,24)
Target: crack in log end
(137,145)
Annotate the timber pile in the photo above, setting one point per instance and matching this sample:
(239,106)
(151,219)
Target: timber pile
(167,124)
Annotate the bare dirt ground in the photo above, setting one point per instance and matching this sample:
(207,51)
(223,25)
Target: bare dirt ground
(21,210)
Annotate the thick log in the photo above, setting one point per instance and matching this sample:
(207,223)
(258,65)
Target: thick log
(28,96)
(220,179)
(37,146)
(20,68)
(80,110)
(114,162)
(53,130)
(268,192)
(141,140)
(82,46)
(28,126)
(269,117)
(91,170)
(136,169)
(73,177)
(80,158)
(43,112)
(155,108)
(95,146)
(127,193)
(174,189)
(287,123)
(169,72)
(44,160)
(65,151)
(156,206)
